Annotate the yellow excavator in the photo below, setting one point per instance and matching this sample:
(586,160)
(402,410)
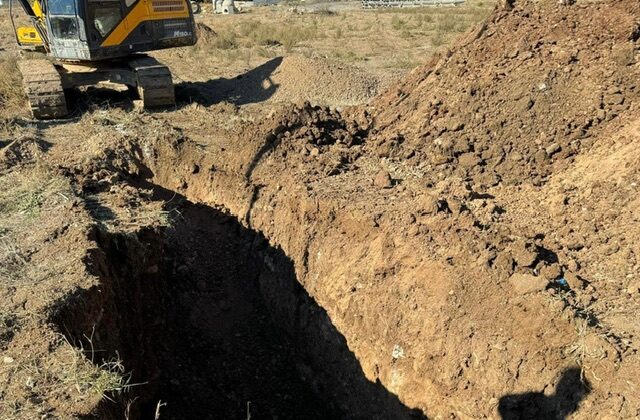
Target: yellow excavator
(87,42)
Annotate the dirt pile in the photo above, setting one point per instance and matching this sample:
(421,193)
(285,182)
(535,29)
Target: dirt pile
(291,79)
(517,98)
(304,133)
(312,79)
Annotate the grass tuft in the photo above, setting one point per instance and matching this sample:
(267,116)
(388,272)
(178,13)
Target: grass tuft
(105,380)
(23,193)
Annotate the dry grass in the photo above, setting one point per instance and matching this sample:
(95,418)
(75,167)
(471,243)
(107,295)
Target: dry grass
(392,41)
(12,97)
(251,34)
(12,259)
(67,373)
(22,196)
(581,350)
(105,379)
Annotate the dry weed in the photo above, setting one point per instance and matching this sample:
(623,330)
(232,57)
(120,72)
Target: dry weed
(67,372)
(90,377)
(22,196)
(9,323)
(373,38)
(22,193)
(12,97)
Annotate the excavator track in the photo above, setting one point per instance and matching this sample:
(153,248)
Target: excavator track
(44,89)
(154,82)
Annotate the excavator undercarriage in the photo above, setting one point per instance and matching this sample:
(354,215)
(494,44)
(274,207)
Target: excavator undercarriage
(88,42)
(45,82)
(44,89)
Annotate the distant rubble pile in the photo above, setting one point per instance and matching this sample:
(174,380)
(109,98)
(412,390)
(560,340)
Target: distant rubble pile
(385,4)
(300,78)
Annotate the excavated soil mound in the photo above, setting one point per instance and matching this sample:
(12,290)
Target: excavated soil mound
(321,81)
(506,160)
(520,95)
(289,79)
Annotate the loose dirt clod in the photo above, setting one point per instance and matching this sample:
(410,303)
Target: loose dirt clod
(383,180)
(526,283)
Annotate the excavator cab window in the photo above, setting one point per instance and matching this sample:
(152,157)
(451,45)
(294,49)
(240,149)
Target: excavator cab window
(104,15)
(64,28)
(61,7)
(62,18)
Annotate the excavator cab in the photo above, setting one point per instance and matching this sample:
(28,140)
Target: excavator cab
(94,41)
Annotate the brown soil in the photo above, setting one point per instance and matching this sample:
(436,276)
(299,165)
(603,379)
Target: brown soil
(465,245)
(288,79)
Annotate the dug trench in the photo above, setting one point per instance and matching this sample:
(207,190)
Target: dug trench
(210,321)
(264,300)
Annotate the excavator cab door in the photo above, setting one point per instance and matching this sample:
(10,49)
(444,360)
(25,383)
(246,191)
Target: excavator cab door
(66,29)
(63,19)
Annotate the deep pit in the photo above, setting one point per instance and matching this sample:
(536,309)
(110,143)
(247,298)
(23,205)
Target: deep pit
(212,323)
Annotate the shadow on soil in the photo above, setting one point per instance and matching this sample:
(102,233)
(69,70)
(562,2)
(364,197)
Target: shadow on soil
(251,87)
(570,391)
(212,319)
(82,101)
(254,86)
